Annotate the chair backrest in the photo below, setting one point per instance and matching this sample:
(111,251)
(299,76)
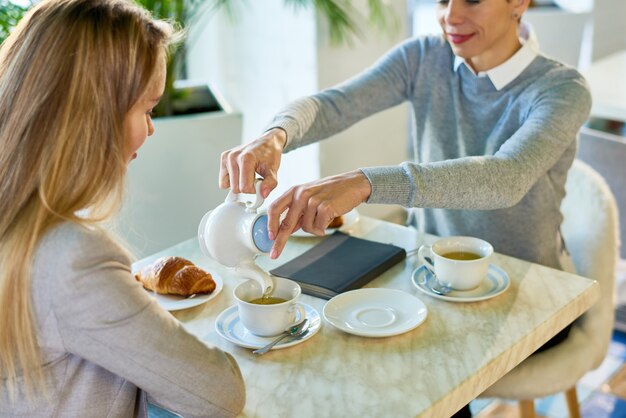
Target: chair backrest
(591,232)
(606,153)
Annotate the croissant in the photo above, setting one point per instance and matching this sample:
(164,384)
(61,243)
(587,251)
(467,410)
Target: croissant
(336,222)
(175,276)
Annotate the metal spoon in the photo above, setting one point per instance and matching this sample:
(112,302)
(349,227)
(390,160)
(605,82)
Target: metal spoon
(294,331)
(433,284)
(437,287)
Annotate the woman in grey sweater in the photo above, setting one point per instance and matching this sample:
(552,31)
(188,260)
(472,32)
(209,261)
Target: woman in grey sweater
(495,127)
(79,336)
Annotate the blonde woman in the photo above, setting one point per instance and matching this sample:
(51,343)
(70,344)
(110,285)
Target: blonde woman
(79,336)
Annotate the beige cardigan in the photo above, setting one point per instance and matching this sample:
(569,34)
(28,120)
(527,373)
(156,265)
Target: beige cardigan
(105,344)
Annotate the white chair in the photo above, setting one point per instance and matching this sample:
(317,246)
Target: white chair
(590,229)
(606,153)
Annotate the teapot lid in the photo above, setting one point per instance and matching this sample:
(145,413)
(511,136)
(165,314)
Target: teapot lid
(260,235)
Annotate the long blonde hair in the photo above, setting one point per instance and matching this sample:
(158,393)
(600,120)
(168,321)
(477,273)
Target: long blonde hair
(69,73)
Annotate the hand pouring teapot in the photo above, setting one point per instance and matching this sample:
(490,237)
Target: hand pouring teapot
(234,234)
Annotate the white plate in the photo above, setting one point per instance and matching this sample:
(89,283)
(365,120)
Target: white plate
(229,327)
(375,312)
(176,303)
(349,220)
(496,282)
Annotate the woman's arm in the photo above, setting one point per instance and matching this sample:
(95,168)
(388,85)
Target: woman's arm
(388,83)
(105,317)
(492,181)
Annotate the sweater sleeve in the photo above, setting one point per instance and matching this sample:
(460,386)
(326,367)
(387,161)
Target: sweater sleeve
(492,181)
(105,317)
(386,84)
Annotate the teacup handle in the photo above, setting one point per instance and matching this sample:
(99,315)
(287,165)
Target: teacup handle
(250,206)
(298,313)
(424,255)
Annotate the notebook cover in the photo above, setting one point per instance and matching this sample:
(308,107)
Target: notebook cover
(340,263)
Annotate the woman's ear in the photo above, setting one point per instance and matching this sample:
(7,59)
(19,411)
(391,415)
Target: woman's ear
(520,7)
(523,4)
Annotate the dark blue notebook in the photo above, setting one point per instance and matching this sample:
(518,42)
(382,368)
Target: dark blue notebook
(340,263)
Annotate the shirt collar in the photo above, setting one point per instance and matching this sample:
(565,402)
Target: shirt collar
(508,71)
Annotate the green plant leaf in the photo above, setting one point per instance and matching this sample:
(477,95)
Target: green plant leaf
(10,15)
(382,17)
(342,17)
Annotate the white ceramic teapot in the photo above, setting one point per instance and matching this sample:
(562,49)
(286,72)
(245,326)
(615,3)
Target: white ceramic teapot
(234,234)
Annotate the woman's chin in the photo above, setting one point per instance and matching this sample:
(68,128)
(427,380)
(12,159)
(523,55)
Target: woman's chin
(462,51)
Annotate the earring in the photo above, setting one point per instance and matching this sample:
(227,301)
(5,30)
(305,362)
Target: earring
(515,16)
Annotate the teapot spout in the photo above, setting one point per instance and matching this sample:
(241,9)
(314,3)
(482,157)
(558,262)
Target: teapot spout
(254,272)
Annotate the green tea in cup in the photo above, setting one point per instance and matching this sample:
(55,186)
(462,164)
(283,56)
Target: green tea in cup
(267,300)
(461,255)
(269,315)
(457,262)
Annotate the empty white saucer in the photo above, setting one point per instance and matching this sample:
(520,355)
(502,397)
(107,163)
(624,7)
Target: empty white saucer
(496,282)
(229,326)
(375,312)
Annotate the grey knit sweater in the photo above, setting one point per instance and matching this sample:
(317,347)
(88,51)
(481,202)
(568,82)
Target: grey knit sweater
(490,164)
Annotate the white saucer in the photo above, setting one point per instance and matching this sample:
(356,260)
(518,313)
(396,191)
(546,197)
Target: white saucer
(176,303)
(496,282)
(229,327)
(375,312)
(349,220)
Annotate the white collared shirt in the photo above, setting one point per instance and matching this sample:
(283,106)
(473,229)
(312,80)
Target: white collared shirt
(506,72)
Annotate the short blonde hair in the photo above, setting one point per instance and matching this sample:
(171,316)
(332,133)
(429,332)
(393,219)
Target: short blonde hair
(69,73)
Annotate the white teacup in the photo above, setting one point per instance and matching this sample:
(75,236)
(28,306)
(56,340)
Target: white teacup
(273,319)
(458,262)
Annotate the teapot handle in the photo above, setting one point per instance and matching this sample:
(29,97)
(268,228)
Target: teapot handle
(250,206)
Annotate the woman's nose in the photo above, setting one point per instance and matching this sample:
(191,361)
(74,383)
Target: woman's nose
(150,126)
(454,12)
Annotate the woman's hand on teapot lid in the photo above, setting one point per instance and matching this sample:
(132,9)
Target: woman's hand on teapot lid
(312,206)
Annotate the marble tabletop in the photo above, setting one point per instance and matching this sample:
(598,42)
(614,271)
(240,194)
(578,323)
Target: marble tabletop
(607,80)
(431,371)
